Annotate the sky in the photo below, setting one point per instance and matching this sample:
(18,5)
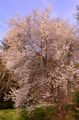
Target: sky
(65,9)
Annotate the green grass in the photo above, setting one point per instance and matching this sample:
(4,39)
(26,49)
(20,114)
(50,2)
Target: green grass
(40,113)
(9,115)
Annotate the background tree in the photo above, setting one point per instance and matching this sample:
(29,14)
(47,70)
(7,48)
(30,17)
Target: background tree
(7,82)
(77,31)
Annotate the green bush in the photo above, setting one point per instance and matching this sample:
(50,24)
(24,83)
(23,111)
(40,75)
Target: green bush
(43,113)
(76,106)
(6,104)
(76,98)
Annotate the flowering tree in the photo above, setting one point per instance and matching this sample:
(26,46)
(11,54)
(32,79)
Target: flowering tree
(41,54)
